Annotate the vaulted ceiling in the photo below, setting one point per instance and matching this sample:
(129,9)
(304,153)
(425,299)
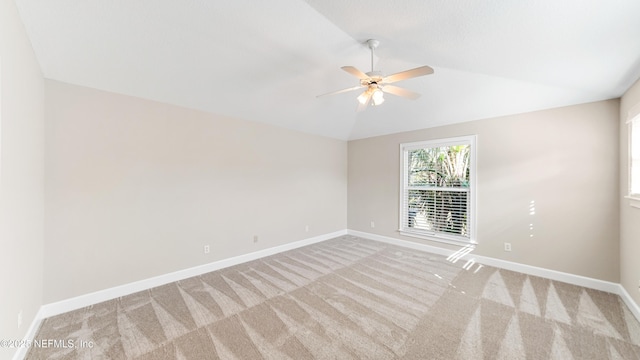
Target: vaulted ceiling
(268,60)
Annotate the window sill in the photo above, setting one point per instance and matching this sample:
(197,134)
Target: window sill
(634,200)
(438,238)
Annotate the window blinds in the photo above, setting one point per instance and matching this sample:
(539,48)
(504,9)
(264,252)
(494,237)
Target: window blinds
(437,189)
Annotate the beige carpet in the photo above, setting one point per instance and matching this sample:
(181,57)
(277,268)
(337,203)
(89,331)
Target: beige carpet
(350,298)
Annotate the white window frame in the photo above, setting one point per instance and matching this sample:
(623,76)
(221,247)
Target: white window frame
(471,206)
(633,187)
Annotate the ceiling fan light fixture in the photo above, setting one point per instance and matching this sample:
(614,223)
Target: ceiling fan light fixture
(377,97)
(362,98)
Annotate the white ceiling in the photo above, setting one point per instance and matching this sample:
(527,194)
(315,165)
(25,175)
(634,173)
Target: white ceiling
(267,60)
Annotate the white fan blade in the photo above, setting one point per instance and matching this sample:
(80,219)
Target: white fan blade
(341,91)
(398,91)
(408,74)
(355,72)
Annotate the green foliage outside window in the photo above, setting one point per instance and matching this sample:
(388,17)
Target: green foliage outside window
(438,184)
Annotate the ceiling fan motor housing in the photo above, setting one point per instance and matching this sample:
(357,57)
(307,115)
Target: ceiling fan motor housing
(375,77)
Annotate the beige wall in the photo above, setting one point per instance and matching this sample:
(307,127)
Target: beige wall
(565,159)
(135,188)
(629,216)
(21,178)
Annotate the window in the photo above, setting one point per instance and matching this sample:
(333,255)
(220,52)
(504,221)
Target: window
(634,156)
(437,190)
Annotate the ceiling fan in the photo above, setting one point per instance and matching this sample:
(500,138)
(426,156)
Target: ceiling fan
(375,83)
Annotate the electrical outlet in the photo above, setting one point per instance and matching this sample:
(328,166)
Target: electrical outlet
(373,224)
(507,246)
(255,239)
(19,319)
(207,249)
(638,285)
(306,228)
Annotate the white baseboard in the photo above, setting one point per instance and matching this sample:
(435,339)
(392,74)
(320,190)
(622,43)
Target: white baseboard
(403,243)
(75,303)
(503,264)
(21,351)
(584,281)
(81,301)
(123,290)
(631,304)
